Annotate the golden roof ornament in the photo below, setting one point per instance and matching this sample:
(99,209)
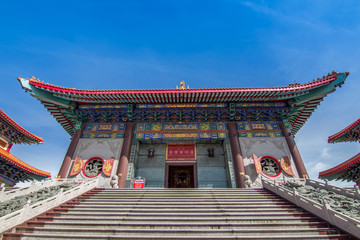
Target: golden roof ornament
(182,86)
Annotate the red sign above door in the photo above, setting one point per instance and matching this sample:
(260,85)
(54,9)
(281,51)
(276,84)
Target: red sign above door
(181,152)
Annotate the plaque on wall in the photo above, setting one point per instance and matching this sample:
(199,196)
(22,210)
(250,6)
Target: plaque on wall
(77,167)
(257,164)
(107,167)
(286,166)
(181,152)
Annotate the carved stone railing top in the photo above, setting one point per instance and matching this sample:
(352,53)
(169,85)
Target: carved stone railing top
(352,193)
(7,195)
(322,210)
(29,211)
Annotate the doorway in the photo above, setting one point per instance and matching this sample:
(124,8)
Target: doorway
(180,176)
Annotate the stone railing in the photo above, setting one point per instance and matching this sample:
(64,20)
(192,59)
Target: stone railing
(34,187)
(355,193)
(323,211)
(29,211)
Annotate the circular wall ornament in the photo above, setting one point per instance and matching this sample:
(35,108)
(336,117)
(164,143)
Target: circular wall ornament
(270,166)
(93,167)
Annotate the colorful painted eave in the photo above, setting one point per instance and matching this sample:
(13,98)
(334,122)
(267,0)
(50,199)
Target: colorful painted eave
(11,123)
(24,166)
(304,97)
(335,172)
(180,96)
(346,135)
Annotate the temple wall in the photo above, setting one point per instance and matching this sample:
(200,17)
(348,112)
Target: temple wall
(211,171)
(264,146)
(97,147)
(152,169)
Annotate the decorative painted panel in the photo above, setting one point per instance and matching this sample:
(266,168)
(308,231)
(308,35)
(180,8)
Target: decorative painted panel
(102,135)
(260,134)
(159,136)
(103,106)
(104,127)
(183,105)
(261,104)
(104,130)
(180,126)
(258,126)
(163,132)
(259,129)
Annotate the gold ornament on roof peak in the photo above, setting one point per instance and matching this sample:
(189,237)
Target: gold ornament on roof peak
(182,86)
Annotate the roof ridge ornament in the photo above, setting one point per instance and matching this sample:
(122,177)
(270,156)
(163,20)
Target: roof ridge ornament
(182,86)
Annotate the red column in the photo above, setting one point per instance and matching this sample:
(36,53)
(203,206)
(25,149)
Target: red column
(70,153)
(125,154)
(237,155)
(294,152)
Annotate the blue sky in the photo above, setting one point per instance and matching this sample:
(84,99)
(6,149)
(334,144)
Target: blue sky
(157,44)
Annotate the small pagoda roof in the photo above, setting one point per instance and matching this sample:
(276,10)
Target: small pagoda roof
(303,97)
(349,134)
(14,132)
(31,172)
(347,170)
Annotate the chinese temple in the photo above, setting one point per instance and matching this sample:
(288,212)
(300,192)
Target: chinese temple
(183,137)
(12,169)
(350,169)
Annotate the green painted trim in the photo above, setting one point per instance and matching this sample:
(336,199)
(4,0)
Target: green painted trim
(43,95)
(321,91)
(48,97)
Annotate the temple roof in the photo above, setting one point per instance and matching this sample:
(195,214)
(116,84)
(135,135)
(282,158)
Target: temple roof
(302,98)
(349,134)
(32,172)
(14,132)
(348,170)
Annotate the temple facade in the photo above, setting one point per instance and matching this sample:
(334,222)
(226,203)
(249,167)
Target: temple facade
(183,137)
(12,169)
(348,170)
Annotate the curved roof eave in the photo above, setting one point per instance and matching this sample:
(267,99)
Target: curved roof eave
(339,168)
(24,166)
(338,137)
(33,138)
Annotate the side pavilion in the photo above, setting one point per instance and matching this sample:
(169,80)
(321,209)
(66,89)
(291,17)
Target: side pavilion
(12,169)
(350,169)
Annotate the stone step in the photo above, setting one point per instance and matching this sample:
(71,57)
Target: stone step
(258,202)
(185,210)
(159,197)
(171,206)
(183,194)
(176,214)
(186,190)
(26,236)
(178,200)
(182,219)
(176,225)
(182,232)
(177,203)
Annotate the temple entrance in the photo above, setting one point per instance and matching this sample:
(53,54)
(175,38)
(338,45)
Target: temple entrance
(181,177)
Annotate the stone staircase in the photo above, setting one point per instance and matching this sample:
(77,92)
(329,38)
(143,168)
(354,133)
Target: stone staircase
(176,214)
